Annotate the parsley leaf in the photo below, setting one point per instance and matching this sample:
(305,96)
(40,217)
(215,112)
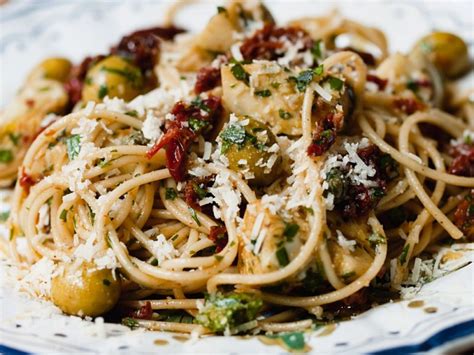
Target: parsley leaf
(263,93)
(170,193)
(284,114)
(199,103)
(282,256)
(196,124)
(63,215)
(291,229)
(6,155)
(4,216)
(73,145)
(103,91)
(240,74)
(319,70)
(303,79)
(233,134)
(316,50)
(335,83)
(404,254)
(14,137)
(194,216)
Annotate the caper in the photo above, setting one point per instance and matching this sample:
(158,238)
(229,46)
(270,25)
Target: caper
(112,77)
(85,291)
(246,144)
(446,51)
(52,68)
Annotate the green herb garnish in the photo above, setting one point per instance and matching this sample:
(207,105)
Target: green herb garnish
(263,93)
(290,231)
(130,322)
(6,155)
(404,254)
(335,83)
(194,216)
(221,312)
(103,91)
(170,193)
(282,256)
(73,145)
(240,74)
(285,115)
(4,216)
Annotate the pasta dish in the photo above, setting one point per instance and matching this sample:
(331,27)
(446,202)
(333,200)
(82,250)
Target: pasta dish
(251,178)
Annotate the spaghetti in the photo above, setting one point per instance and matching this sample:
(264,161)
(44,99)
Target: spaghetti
(286,178)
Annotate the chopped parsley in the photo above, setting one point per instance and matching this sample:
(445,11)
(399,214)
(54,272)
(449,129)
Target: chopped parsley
(15,138)
(132,113)
(221,9)
(275,85)
(263,93)
(103,91)
(106,282)
(200,192)
(290,231)
(6,155)
(63,215)
(154,262)
(376,239)
(73,145)
(316,50)
(412,85)
(285,115)
(335,83)
(221,312)
(130,322)
(4,216)
(319,70)
(282,256)
(199,103)
(196,124)
(404,254)
(233,134)
(170,193)
(194,216)
(303,79)
(240,74)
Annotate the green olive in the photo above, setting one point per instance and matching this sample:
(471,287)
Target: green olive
(112,77)
(52,68)
(85,291)
(247,148)
(446,51)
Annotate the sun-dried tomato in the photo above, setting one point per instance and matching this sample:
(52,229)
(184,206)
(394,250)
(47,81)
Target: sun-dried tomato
(142,47)
(145,312)
(266,43)
(207,79)
(190,121)
(464,215)
(322,141)
(381,83)
(218,235)
(463,162)
(408,105)
(26,181)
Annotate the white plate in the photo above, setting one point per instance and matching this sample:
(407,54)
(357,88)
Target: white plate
(31,30)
